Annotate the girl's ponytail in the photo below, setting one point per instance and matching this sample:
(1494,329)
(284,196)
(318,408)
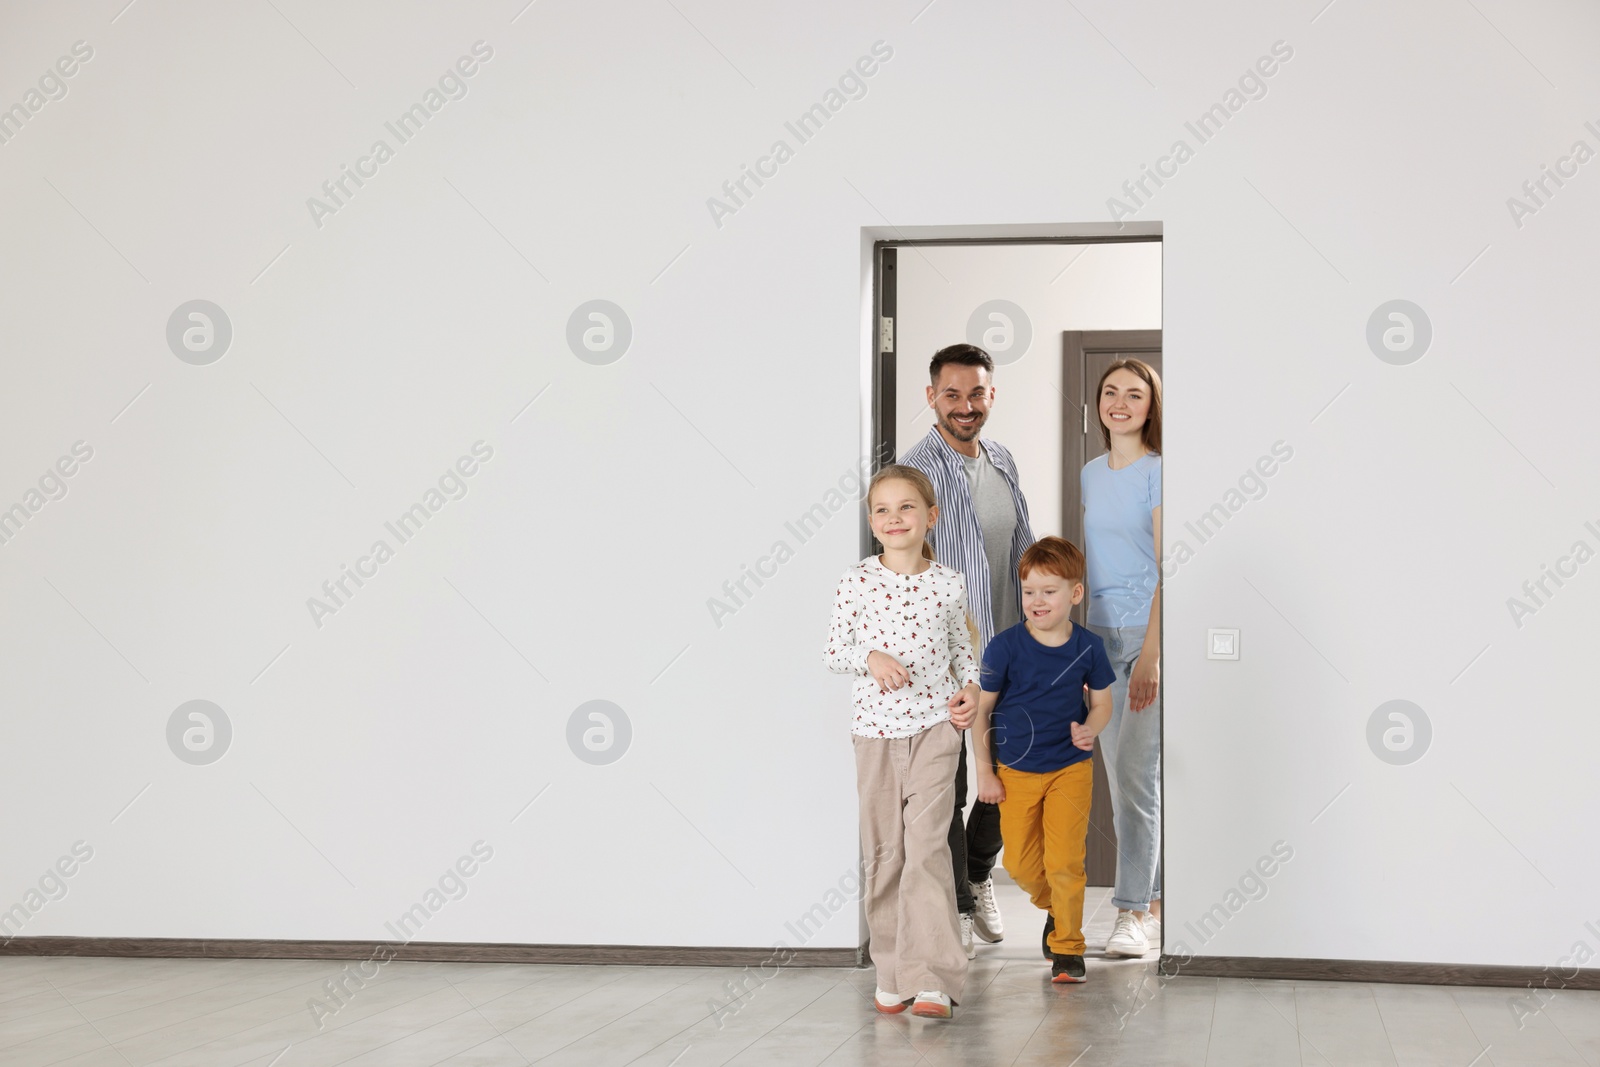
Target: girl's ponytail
(927,551)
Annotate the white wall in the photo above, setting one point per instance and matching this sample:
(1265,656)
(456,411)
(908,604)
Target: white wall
(369,353)
(1058,288)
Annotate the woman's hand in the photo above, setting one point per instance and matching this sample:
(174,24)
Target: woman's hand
(1144,683)
(963,706)
(886,671)
(990,791)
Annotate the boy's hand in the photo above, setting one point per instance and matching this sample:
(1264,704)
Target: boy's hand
(1083,737)
(990,789)
(886,671)
(963,706)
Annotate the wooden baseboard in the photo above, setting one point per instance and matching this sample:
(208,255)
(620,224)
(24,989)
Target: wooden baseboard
(1458,974)
(1455,974)
(421,951)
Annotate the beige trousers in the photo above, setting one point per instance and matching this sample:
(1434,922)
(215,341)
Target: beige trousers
(906,786)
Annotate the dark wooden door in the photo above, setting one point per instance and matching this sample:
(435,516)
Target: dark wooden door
(1086,356)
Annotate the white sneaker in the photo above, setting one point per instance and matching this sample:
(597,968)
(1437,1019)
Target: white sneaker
(985,915)
(889,1003)
(932,1004)
(1152,930)
(968,946)
(1127,937)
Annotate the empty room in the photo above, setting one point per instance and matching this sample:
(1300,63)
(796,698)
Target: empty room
(642,533)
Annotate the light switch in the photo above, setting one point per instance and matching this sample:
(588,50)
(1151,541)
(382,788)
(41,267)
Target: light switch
(1222,644)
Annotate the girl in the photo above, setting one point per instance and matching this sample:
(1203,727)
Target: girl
(1122,535)
(899,625)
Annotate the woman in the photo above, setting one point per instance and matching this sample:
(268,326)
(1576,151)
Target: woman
(1122,535)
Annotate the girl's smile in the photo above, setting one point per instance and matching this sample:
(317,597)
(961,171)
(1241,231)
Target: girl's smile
(900,516)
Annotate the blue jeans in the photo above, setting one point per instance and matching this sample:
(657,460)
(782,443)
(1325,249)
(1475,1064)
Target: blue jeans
(1131,745)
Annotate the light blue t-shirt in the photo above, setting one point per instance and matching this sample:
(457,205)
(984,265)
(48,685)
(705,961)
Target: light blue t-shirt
(1120,540)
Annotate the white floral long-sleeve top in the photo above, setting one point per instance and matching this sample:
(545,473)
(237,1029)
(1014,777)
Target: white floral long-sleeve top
(920,620)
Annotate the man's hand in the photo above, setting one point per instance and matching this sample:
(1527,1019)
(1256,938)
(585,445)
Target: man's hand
(887,672)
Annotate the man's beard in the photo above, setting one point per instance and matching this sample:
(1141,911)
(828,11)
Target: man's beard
(959,432)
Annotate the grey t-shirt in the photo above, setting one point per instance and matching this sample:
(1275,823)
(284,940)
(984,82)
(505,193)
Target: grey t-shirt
(997,517)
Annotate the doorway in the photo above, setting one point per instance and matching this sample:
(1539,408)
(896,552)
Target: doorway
(1053,310)
(1085,355)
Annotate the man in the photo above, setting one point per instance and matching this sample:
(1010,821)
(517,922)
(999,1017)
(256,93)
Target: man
(982,532)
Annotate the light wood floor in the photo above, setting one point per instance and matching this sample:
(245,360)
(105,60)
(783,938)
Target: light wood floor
(252,1013)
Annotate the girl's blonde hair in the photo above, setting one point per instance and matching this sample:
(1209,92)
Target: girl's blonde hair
(972,632)
(919,482)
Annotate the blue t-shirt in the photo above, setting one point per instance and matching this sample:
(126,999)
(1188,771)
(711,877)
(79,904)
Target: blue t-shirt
(1041,695)
(1119,539)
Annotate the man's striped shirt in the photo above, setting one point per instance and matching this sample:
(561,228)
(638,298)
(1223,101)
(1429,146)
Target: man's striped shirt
(957,538)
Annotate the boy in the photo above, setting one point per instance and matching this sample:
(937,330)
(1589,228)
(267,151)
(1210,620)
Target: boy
(1033,679)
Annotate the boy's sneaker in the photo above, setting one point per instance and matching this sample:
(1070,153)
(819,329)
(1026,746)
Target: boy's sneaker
(1064,968)
(1049,928)
(1152,931)
(985,915)
(967,944)
(889,1003)
(931,1004)
(1127,937)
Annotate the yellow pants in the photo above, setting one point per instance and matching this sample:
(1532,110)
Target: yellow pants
(1044,821)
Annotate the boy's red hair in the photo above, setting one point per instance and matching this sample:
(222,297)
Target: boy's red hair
(1053,555)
